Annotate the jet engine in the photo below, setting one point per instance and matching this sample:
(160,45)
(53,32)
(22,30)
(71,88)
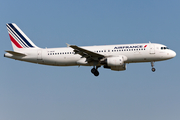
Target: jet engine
(115,63)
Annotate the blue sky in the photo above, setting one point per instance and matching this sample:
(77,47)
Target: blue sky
(31,91)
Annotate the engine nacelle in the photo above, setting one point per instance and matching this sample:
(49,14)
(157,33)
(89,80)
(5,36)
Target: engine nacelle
(119,68)
(115,63)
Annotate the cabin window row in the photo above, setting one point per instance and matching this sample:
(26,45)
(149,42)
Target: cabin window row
(120,50)
(128,50)
(62,53)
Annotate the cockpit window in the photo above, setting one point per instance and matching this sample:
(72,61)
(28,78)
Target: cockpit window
(164,48)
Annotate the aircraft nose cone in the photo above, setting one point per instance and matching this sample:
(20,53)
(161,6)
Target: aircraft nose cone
(173,54)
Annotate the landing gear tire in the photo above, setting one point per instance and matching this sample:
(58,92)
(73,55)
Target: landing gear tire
(95,72)
(153,69)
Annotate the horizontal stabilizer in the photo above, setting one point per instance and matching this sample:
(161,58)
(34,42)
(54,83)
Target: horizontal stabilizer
(16,53)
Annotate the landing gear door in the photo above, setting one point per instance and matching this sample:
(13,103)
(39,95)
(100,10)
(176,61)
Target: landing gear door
(39,54)
(152,49)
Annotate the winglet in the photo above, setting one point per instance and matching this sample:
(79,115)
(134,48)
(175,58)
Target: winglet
(68,45)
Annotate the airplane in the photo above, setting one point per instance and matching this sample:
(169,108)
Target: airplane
(114,57)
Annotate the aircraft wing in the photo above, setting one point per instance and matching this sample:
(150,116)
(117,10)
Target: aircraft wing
(89,55)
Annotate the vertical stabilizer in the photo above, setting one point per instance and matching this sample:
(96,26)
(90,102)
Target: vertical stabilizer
(18,39)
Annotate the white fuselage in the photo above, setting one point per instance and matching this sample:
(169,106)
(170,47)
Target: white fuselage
(144,52)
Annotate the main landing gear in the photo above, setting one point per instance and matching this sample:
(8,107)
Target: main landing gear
(152,65)
(95,71)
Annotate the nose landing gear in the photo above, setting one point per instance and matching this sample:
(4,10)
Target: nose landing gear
(95,71)
(152,65)
(153,69)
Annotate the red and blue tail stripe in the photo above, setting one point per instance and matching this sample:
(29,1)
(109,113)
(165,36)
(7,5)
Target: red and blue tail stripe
(18,37)
(15,42)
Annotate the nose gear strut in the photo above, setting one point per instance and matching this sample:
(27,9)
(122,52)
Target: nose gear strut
(152,65)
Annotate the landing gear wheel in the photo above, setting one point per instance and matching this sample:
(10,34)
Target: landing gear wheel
(153,69)
(152,65)
(95,72)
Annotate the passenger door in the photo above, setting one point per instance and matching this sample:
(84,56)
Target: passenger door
(152,49)
(39,55)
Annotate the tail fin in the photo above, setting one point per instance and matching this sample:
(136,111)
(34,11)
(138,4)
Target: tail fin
(18,39)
